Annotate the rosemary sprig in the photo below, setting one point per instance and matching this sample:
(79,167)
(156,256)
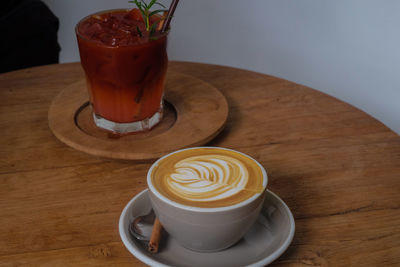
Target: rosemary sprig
(144,9)
(139,31)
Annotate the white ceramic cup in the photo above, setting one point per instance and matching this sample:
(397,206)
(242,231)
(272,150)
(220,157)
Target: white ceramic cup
(206,229)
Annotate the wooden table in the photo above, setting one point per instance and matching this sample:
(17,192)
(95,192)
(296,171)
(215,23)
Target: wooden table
(337,168)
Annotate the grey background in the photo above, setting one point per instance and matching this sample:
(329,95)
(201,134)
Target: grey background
(346,48)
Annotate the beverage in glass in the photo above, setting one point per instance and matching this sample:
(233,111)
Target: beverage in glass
(125,67)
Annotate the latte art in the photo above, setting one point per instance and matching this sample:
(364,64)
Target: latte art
(208,177)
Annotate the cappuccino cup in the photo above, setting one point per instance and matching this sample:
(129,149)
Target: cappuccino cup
(207,198)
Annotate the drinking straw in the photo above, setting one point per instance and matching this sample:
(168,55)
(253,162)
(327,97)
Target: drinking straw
(171,11)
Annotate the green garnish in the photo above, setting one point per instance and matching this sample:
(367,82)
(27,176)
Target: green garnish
(139,31)
(144,9)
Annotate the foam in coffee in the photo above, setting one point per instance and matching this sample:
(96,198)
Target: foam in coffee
(208,177)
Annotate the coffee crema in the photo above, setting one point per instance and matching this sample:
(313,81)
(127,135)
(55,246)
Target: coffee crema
(208,177)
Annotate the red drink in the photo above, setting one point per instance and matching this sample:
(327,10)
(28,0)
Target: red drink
(125,69)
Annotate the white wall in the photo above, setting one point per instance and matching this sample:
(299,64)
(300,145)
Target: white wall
(346,48)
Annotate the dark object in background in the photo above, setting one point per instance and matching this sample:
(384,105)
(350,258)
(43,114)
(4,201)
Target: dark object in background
(28,31)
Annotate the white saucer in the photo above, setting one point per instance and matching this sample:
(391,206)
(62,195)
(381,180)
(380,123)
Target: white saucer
(268,238)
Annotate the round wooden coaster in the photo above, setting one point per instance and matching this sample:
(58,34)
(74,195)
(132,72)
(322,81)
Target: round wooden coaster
(195,112)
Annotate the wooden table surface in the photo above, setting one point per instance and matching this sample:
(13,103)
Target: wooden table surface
(337,168)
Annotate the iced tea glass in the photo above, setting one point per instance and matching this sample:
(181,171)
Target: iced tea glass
(125,78)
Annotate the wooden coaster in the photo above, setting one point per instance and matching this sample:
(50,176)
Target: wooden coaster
(195,112)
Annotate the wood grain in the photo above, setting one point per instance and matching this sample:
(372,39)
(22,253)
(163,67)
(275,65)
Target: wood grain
(337,168)
(201,113)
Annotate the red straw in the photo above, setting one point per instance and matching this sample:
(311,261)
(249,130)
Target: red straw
(171,11)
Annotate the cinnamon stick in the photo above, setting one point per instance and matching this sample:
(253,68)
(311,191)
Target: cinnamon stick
(155,237)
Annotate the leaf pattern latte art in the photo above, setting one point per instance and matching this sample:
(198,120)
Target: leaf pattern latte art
(208,178)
